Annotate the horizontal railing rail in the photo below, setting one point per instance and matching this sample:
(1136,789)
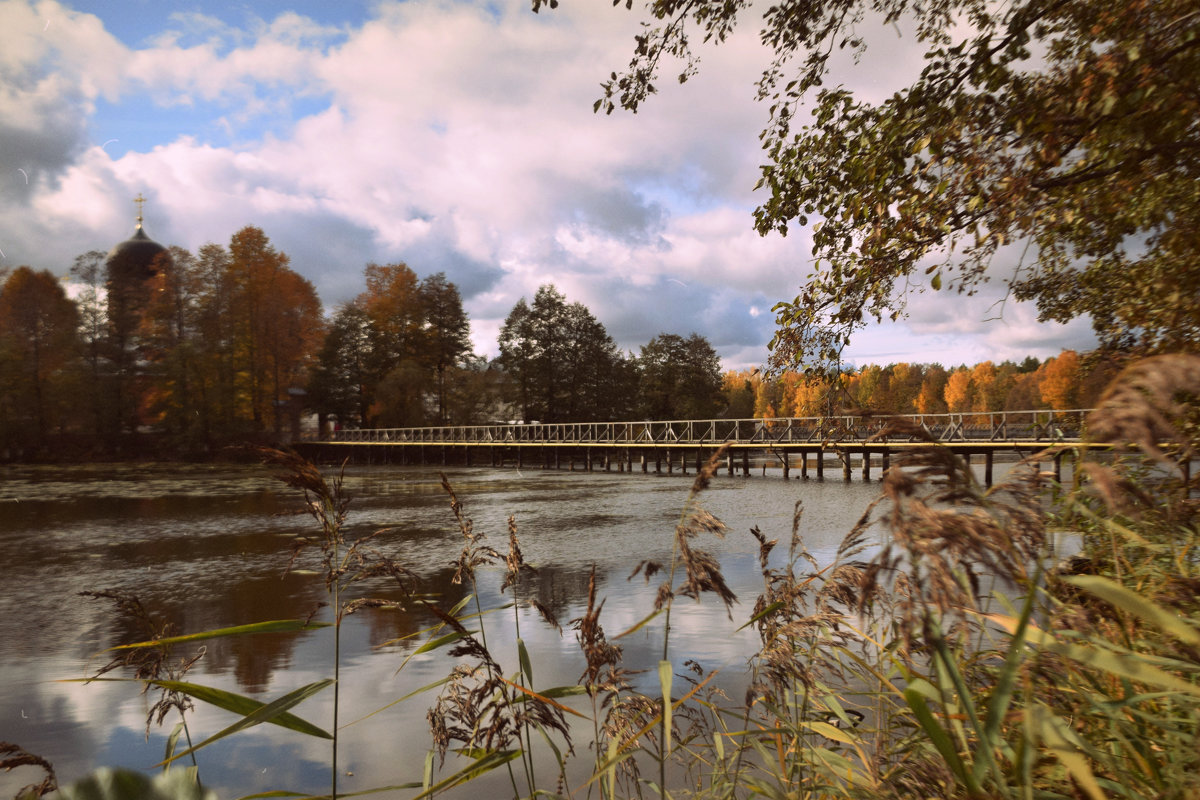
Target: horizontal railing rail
(982,427)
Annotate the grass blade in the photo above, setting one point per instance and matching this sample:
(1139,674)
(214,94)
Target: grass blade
(263,714)
(241,705)
(274,626)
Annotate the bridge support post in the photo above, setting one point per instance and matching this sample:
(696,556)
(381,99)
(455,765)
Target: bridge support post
(520,457)
(657,462)
(729,461)
(886,461)
(804,464)
(845,456)
(642,457)
(745,464)
(670,463)
(1058,467)
(821,465)
(866,465)
(987,468)
(786,466)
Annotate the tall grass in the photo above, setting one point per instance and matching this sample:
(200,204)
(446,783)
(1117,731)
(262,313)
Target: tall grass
(950,650)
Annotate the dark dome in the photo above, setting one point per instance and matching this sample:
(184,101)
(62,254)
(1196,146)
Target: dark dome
(134,257)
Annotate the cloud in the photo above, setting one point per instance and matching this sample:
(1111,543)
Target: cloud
(455,137)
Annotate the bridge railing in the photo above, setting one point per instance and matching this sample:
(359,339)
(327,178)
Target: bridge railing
(989,426)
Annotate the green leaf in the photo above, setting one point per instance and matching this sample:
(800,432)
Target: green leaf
(563,691)
(666,673)
(274,626)
(173,739)
(1132,602)
(526,665)
(770,609)
(241,705)
(831,732)
(266,713)
(639,625)
(479,766)
(1060,740)
(937,735)
(126,784)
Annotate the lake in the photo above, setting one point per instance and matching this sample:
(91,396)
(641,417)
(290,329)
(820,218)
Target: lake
(207,546)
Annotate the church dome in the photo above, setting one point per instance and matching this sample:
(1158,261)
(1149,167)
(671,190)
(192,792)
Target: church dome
(134,258)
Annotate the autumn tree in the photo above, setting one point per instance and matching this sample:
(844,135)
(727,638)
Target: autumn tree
(216,385)
(170,334)
(1065,130)
(394,307)
(958,390)
(277,325)
(39,343)
(738,387)
(1058,381)
(931,399)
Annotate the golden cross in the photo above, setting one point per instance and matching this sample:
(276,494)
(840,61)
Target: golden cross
(139,200)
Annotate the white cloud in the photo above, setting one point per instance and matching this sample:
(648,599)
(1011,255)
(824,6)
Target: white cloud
(457,137)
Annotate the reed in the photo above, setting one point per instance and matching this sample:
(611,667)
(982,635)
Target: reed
(949,650)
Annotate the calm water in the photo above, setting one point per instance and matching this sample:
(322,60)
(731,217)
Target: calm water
(208,546)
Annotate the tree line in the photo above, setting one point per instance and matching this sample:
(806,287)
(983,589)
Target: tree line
(230,343)
(1064,382)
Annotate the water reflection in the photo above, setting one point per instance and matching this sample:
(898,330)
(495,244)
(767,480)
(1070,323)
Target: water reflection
(207,547)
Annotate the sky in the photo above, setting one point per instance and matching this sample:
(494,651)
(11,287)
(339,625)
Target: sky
(456,136)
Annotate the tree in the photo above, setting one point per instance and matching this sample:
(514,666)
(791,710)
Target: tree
(562,364)
(1067,130)
(88,271)
(340,381)
(680,378)
(1058,381)
(170,334)
(738,387)
(277,326)
(958,390)
(932,397)
(447,334)
(216,344)
(394,306)
(39,341)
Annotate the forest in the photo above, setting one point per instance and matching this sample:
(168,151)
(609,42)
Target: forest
(231,343)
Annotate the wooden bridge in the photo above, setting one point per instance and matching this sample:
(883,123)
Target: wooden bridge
(783,443)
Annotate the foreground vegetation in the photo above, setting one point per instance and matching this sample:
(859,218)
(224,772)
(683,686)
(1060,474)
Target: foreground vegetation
(962,658)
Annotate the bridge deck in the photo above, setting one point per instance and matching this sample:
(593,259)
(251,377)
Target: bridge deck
(1000,429)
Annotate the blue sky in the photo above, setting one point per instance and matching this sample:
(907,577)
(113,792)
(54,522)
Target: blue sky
(454,136)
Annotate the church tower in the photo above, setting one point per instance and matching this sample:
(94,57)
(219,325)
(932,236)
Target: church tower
(129,268)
